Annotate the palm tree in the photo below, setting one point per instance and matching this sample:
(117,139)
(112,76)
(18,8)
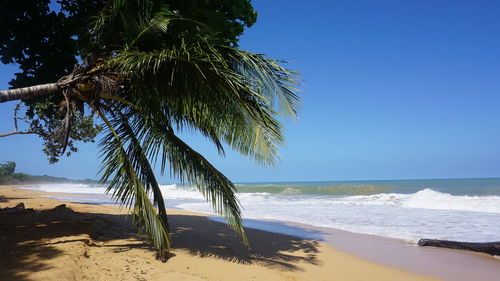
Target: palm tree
(150,74)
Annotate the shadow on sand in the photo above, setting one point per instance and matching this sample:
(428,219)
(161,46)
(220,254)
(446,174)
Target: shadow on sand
(29,239)
(208,238)
(4,199)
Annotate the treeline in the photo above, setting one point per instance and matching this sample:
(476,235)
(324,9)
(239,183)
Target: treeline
(9,176)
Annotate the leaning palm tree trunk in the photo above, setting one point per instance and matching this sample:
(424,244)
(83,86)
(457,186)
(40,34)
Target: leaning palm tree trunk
(28,92)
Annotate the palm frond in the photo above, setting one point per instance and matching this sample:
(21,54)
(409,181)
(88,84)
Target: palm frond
(217,100)
(132,177)
(190,166)
(268,77)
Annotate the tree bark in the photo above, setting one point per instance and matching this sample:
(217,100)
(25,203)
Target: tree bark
(28,92)
(492,248)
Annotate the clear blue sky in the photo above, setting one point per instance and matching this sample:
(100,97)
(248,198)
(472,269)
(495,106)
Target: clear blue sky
(392,90)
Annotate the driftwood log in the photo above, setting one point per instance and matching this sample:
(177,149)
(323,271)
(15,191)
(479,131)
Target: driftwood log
(492,248)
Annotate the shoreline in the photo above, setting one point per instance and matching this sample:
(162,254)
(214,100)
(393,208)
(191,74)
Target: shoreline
(442,263)
(339,253)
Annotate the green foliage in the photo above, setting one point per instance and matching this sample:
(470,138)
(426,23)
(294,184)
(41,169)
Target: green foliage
(17,178)
(7,168)
(228,18)
(7,176)
(84,130)
(21,178)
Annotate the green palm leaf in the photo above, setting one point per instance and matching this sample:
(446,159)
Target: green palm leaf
(124,161)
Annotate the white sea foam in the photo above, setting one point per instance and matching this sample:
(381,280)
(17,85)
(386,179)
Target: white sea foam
(173,192)
(290,190)
(430,199)
(89,189)
(426,213)
(69,188)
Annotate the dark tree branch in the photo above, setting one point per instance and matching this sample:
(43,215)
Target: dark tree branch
(16,130)
(67,122)
(15,115)
(16,133)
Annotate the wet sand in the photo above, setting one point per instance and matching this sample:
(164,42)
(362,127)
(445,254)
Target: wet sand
(445,264)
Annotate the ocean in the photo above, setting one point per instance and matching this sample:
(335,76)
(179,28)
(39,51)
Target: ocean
(452,209)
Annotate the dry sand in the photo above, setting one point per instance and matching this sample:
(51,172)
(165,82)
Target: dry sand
(96,242)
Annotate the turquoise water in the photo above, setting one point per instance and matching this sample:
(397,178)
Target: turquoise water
(479,187)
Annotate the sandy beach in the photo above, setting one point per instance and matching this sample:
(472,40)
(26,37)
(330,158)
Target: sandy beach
(96,242)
